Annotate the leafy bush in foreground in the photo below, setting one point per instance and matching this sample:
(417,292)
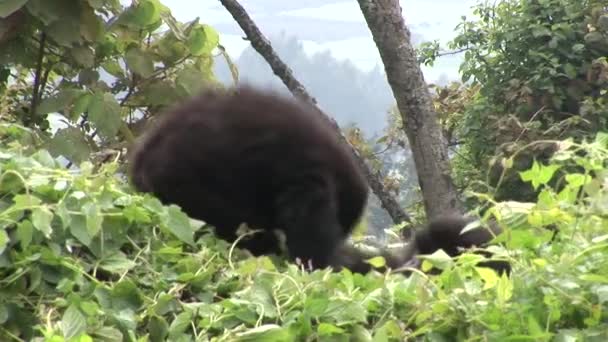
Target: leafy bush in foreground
(84,258)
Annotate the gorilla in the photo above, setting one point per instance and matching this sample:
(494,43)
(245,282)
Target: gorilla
(244,155)
(445,233)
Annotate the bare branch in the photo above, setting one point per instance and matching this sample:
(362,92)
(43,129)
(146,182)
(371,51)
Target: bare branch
(264,48)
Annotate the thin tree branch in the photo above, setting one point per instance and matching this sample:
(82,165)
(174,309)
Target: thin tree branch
(37,76)
(264,48)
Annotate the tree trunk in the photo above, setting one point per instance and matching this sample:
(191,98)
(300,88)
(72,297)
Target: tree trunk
(413,98)
(263,47)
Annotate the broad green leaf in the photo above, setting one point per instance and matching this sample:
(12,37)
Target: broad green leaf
(116,263)
(78,228)
(190,80)
(202,40)
(41,219)
(73,322)
(3,240)
(113,68)
(8,7)
(126,296)
(326,329)
(141,14)
(91,26)
(577,179)
(104,113)
(139,61)
(107,334)
(60,102)
(26,201)
(159,93)
(377,262)
(84,56)
(70,143)
(158,328)
(179,324)
(178,223)
(65,32)
(81,104)
(25,232)
(94,218)
(135,213)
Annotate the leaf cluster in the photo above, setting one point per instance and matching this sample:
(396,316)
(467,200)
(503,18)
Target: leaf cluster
(83,257)
(102,69)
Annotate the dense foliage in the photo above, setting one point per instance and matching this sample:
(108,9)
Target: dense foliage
(102,69)
(538,70)
(83,257)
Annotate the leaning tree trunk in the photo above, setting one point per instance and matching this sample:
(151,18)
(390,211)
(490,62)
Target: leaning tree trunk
(263,47)
(421,126)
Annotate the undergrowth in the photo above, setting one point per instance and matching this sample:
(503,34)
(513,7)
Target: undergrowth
(83,258)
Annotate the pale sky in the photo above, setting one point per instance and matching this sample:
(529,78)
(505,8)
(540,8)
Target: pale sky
(431,19)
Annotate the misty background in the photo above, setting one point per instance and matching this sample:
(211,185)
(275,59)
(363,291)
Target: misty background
(331,51)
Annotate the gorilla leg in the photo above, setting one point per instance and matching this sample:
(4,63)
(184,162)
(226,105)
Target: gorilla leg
(307,213)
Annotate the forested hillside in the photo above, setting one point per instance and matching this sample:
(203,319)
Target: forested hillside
(85,257)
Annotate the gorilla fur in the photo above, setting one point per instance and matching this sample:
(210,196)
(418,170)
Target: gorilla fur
(255,157)
(248,156)
(446,233)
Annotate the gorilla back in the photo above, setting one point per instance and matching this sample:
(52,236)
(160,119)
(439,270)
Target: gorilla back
(248,156)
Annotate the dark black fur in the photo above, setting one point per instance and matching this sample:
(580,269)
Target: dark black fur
(445,233)
(248,156)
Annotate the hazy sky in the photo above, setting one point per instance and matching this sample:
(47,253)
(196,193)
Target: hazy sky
(430,19)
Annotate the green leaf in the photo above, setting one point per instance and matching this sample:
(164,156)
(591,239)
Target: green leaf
(8,7)
(94,218)
(326,329)
(113,68)
(180,324)
(135,213)
(91,26)
(70,143)
(25,232)
(178,223)
(116,263)
(60,102)
(158,328)
(377,261)
(139,61)
(159,93)
(3,240)
(190,80)
(26,201)
(84,56)
(104,113)
(73,322)
(81,103)
(126,296)
(41,219)
(202,40)
(108,334)
(65,32)
(78,228)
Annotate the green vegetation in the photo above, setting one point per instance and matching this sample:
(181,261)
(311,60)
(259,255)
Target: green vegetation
(85,258)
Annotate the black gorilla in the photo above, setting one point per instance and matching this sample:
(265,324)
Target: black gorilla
(445,233)
(248,156)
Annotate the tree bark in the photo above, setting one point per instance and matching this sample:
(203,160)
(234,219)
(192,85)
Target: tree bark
(392,37)
(263,47)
